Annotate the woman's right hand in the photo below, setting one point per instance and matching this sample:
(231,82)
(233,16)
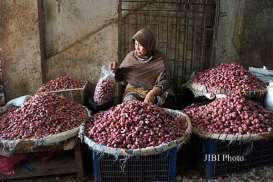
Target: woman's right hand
(113,66)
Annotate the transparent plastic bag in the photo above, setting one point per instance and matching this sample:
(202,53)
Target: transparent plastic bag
(105,88)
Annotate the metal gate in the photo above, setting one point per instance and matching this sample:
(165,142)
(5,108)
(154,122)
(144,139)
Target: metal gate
(185,32)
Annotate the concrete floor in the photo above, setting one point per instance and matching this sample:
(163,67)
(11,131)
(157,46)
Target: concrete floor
(254,175)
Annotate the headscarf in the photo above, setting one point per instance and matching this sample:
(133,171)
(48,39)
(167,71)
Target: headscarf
(147,39)
(143,72)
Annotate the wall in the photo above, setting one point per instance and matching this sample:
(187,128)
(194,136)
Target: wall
(20,43)
(83,35)
(84,59)
(80,37)
(245,33)
(254,40)
(226,51)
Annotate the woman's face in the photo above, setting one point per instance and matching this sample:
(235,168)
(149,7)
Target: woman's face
(141,51)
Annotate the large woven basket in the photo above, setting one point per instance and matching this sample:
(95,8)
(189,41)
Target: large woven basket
(142,151)
(233,137)
(9,147)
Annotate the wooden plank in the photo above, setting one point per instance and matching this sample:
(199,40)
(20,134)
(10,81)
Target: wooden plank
(65,145)
(68,162)
(79,161)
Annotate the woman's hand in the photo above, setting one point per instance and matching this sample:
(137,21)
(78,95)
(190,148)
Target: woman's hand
(151,95)
(113,66)
(150,98)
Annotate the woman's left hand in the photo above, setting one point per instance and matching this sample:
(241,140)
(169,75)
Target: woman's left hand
(150,98)
(113,66)
(151,95)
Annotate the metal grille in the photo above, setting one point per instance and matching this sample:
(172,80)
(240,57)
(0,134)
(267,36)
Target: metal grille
(184,29)
(161,167)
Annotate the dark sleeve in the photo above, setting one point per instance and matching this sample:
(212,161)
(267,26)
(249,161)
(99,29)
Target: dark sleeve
(122,70)
(163,80)
(120,74)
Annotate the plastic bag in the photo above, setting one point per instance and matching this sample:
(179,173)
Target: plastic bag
(19,101)
(8,164)
(14,103)
(105,88)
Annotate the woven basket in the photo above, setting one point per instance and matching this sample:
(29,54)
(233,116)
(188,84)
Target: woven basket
(202,90)
(142,151)
(8,147)
(233,137)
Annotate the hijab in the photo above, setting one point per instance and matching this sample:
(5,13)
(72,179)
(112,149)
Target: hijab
(143,72)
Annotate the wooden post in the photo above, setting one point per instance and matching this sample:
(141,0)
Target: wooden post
(79,161)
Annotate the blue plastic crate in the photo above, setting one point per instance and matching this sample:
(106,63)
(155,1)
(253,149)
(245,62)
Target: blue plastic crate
(160,167)
(226,157)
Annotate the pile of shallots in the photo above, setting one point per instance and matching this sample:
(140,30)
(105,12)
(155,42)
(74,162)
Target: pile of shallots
(104,91)
(230,78)
(42,115)
(61,83)
(231,115)
(134,124)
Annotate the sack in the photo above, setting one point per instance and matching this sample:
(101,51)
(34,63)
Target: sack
(105,88)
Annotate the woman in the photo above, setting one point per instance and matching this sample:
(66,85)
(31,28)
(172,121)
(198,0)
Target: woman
(145,70)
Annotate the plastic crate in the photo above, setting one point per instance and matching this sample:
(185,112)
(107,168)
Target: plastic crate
(226,157)
(78,94)
(160,167)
